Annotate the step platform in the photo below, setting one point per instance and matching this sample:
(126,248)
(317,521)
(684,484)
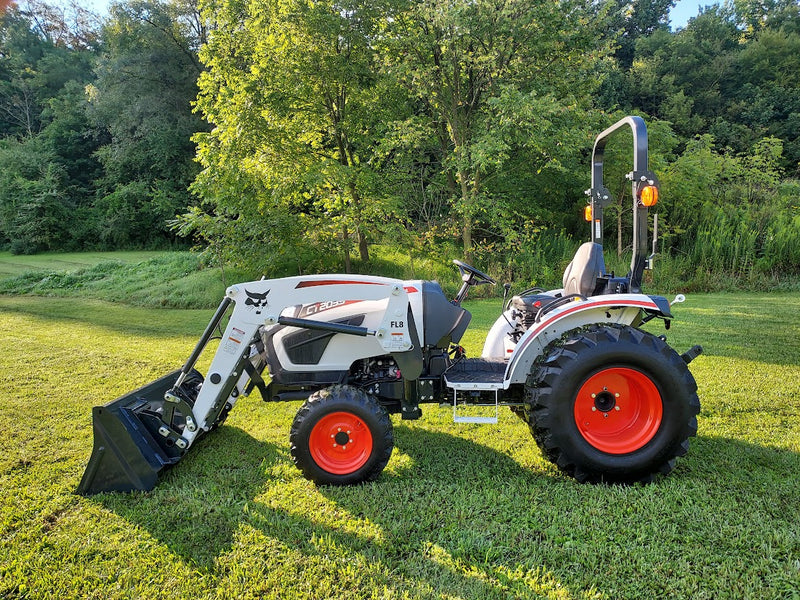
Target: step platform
(476,375)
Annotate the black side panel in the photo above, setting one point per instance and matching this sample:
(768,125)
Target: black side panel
(307,346)
(281,377)
(443,321)
(411,362)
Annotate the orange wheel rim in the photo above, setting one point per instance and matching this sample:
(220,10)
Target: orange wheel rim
(340,443)
(618,410)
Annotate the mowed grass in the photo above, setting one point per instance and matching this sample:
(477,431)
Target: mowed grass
(462,511)
(148,279)
(17,264)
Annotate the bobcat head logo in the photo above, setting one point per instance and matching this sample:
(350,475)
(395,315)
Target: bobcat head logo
(258,301)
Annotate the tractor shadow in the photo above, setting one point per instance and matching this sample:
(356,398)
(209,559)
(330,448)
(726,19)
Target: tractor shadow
(485,513)
(453,517)
(232,483)
(199,504)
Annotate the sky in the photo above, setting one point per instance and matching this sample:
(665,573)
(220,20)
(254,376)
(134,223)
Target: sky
(99,6)
(679,16)
(685,10)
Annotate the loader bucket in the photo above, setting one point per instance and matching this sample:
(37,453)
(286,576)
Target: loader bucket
(128,453)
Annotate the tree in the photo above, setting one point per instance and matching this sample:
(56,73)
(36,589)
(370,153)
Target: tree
(634,19)
(48,146)
(35,209)
(494,79)
(297,83)
(142,101)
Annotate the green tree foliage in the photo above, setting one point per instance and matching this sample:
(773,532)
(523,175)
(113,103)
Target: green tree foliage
(298,84)
(112,170)
(141,101)
(332,115)
(47,147)
(497,84)
(436,129)
(731,74)
(732,213)
(728,85)
(34,205)
(635,19)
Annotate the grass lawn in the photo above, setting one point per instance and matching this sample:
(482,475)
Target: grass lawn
(462,511)
(149,279)
(16,264)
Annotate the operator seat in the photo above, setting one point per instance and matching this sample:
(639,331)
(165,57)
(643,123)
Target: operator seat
(581,275)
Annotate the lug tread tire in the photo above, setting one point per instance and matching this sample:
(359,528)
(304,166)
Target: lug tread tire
(554,382)
(342,398)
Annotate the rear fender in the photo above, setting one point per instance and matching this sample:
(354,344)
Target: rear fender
(619,309)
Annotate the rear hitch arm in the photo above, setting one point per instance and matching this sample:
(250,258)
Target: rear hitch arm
(691,354)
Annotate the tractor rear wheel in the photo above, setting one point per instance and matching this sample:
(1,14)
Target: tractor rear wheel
(612,404)
(340,436)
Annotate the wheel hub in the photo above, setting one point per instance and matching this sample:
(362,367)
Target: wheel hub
(605,401)
(618,410)
(340,443)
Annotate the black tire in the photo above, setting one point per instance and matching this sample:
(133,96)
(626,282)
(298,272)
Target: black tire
(341,436)
(612,404)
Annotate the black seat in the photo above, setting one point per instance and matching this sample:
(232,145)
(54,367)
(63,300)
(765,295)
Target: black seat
(582,274)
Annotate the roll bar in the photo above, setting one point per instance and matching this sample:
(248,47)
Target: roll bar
(600,197)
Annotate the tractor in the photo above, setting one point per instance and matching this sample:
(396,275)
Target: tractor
(605,400)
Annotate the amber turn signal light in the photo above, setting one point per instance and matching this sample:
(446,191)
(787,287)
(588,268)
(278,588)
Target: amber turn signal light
(648,195)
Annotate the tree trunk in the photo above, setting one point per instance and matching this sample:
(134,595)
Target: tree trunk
(466,238)
(619,228)
(363,247)
(346,239)
(466,232)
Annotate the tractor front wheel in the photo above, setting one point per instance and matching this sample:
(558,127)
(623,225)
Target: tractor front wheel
(340,436)
(613,404)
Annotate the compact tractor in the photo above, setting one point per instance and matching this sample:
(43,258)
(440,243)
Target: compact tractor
(605,400)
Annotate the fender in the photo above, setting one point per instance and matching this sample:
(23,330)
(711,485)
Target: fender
(621,309)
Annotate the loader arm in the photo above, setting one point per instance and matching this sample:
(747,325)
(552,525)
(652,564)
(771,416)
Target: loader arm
(263,303)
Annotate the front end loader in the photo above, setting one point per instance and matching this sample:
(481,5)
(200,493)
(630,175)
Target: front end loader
(605,400)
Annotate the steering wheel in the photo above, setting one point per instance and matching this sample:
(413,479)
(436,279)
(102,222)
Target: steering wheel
(481,276)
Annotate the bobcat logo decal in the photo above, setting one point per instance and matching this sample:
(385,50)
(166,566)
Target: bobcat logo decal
(258,301)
